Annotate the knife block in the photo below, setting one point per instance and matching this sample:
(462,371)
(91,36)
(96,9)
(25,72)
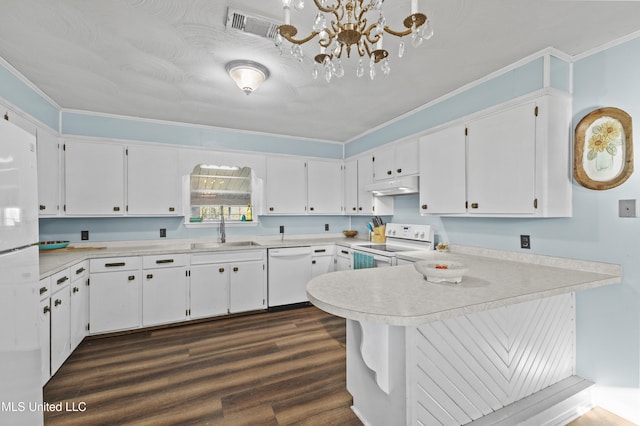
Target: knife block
(378,234)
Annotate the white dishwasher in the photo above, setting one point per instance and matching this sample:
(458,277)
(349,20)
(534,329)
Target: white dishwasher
(289,273)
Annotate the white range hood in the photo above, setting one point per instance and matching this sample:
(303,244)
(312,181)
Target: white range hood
(401,185)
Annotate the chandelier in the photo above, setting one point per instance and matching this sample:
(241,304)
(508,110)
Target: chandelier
(351,26)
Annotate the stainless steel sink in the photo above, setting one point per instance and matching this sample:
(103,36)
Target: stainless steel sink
(212,245)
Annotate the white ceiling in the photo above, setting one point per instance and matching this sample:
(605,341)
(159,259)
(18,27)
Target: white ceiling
(165,59)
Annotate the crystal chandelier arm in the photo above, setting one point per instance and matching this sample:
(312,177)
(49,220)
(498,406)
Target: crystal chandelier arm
(289,31)
(417,18)
(367,34)
(329,9)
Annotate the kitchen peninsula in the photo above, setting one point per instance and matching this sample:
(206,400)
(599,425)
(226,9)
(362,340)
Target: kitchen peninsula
(438,353)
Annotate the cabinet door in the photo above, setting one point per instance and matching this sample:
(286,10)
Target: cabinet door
(60,330)
(152,181)
(247,286)
(209,291)
(321,265)
(48,173)
(351,187)
(114,301)
(286,186)
(94,179)
(79,311)
(365,177)
(443,171)
(501,166)
(406,159)
(383,163)
(44,328)
(164,296)
(324,188)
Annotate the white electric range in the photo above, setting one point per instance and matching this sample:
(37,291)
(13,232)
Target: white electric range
(399,238)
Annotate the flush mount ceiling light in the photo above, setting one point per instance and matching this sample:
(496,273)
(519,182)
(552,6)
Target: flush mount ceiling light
(248,75)
(350,29)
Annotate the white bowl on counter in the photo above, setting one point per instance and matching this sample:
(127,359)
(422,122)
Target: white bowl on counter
(438,271)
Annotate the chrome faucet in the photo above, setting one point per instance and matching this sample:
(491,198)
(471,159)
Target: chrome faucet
(223,233)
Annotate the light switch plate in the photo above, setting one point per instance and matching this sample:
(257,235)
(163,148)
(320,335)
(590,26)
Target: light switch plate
(627,208)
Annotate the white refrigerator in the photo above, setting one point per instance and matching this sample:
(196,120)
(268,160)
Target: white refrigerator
(20,375)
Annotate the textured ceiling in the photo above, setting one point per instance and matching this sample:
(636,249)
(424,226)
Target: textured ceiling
(165,59)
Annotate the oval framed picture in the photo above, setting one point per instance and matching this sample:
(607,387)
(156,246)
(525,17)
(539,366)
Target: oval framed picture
(603,152)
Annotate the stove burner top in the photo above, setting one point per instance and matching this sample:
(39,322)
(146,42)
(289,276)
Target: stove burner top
(384,247)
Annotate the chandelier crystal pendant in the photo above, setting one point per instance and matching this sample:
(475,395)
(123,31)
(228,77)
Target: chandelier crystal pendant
(350,25)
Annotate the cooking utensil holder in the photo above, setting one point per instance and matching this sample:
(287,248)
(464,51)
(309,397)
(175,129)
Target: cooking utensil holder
(378,234)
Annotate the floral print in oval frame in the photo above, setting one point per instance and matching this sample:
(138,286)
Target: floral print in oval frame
(603,154)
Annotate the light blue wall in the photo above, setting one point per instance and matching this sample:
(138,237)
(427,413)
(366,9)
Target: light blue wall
(83,124)
(19,94)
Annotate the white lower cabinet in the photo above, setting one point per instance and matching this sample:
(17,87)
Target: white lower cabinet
(115,294)
(164,289)
(344,258)
(60,319)
(227,282)
(322,259)
(79,301)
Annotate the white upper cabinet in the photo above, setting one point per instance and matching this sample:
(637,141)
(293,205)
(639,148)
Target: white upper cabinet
(501,167)
(516,162)
(324,187)
(358,173)
(286,185)
(94,178)
(397,160)
(443,171)
(153,181)
(48,173)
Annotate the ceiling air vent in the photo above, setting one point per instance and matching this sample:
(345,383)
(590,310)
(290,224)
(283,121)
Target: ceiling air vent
(251,24)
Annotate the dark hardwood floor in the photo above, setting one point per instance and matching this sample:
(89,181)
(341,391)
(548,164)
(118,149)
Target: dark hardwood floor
(275,368)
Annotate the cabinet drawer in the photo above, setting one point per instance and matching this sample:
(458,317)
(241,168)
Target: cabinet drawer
(60,279)
(323,250)
(164,261)
(227,257)
(44,288)
(115,264)
(79,271)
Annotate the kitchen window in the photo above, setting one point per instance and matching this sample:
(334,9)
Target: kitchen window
(218,190)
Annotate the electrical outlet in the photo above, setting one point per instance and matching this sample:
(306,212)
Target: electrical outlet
(84,235)
(282,229)
(326,226)
(525,242)
(627,208)
(163,232)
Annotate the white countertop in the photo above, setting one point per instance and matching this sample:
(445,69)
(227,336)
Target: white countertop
(401,296)
(57,260)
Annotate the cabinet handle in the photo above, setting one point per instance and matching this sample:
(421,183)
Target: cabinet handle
(43,290)
(43,207)
(46,310)
(76,289)
(62,280)
(360,208)
(344,252)
(131,277)
(172,209)
(116,209)
(399,171)
(424,207)
(311,208)
(320,250)
(164,261)
(389,172)
(114,265)
(221,270)
(235,269)
(79,271)
(354,209)
(313,262)
(58,302)
(474,205)
(149,276)
(270,209)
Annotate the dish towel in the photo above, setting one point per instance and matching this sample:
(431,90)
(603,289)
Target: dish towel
(363,261)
